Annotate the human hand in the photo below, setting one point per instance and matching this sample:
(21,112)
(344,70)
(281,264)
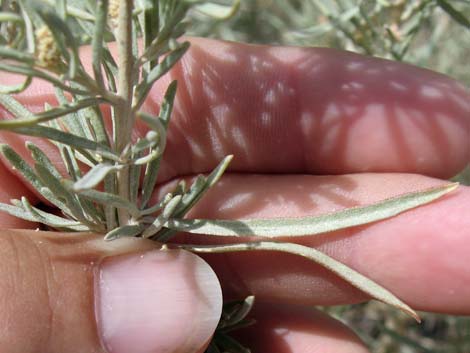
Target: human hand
(291,115)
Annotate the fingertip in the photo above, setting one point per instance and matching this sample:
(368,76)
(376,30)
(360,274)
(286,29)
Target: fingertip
(284,328)
(157,302)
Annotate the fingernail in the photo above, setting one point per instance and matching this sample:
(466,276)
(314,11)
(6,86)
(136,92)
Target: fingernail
(156,302)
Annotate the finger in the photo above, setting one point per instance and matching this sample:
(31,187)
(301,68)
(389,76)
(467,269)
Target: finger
(67,293)
(312,110)
(420,255)
(305,110)
(292,328)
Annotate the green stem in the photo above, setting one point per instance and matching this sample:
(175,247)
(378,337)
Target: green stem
(124,119)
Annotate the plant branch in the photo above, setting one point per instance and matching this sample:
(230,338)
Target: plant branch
(123,113)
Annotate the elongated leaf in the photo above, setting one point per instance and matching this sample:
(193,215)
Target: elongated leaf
(202,186)
(29,71)
(353,277)
(51,219)
(151,171)
(217,11)
(304,226)
(12,89)
(238,314)
(56,187)
(95,176)
(40,157)
(79,143)
(105,198)
(101,13)
(158,71)
(197,190)
(158,223)
(124,231)
(17,55)
(14,107)
(48,115)
(158,206)
(21,166)
(71,120)
(452,12)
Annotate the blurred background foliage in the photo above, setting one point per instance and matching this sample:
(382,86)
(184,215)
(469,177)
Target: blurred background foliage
(429,33)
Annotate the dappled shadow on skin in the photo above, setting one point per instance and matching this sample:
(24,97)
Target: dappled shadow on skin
(316,111)
(239,196)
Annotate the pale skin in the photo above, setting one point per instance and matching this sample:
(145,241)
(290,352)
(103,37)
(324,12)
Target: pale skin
(312,131)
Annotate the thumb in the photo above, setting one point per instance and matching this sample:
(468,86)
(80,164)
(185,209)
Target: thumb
(72,293)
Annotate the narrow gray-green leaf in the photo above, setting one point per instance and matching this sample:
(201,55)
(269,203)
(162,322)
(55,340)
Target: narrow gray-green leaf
(158,206)
(105,198)
(51,219)
(71,120)
(151,171)
(40,157)
(217,11)
(158,71)
(21,166)
(459,17)
(159,221)
(101,13)
(14,107)
(201,188)
(18,88)
(124,231)
(240,314)
(56,187)
(79,143)
(54,113)
(17,55)
(353,277)
(281,227)
(95,176)
(197,190)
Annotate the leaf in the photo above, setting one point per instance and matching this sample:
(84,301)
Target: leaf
(105,198)
(355,278)
(162,218)
(459,17)
(217,11)
(158,206)
(54,113)
(79,143)
(197,190)
(101,14)
(304,226)
(158,71)
(124,231)
(40,157)
(151,171)
(231,317)
(51,219)
(55,186)
(95,176)
(202,185)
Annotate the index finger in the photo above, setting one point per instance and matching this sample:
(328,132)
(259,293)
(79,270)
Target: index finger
(301,110)
(313,111)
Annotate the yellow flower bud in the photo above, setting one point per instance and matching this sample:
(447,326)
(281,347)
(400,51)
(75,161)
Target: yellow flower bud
(47,53)
(113,13)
